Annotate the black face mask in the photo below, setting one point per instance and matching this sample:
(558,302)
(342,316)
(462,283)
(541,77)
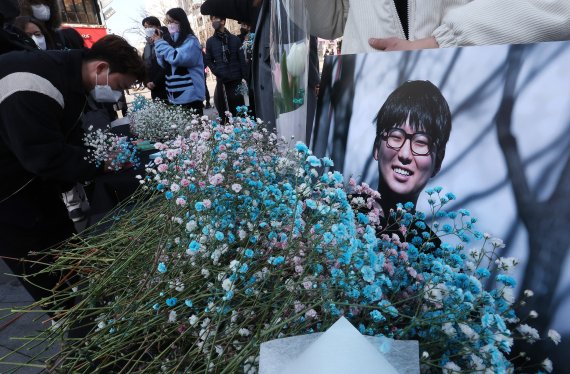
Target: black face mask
(216,25)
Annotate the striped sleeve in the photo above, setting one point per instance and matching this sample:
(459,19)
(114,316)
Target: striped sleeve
(29,82)
(483,22)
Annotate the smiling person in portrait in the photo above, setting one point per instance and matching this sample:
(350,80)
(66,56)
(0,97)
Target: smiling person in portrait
(412,130)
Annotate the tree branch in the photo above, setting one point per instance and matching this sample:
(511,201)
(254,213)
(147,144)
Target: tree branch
(507,141)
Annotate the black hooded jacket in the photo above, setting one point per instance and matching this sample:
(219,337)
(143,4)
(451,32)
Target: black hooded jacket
(41,103)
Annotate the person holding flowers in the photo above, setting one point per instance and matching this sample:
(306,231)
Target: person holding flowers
(42,99)
(227,62)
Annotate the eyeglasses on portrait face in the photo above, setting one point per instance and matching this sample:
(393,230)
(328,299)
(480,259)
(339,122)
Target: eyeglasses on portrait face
(421,143)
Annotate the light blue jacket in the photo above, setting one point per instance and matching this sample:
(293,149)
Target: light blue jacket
(184,68)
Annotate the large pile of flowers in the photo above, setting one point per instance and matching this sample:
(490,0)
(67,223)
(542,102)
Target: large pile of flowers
(236,239)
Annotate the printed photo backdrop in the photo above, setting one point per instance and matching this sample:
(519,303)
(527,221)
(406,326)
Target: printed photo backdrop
(507,159)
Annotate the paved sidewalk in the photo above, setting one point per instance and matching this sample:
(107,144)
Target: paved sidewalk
(12,296)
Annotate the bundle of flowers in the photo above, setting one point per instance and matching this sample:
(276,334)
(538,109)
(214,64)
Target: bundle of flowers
(288,76)
(157,121)
(236,240)
(111,150)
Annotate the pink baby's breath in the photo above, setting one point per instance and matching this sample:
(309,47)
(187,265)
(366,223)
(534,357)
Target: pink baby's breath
(413,273)
(216,179)
(311,314)
(389,268)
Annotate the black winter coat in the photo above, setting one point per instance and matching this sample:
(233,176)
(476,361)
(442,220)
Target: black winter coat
(229,65)
(41,103)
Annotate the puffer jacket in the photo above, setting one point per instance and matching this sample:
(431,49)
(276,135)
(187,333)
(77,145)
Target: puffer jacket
(226,71)
(451,22)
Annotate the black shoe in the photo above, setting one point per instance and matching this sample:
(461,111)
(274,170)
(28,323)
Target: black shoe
(208,106)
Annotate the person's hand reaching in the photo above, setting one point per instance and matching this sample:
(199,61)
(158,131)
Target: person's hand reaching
(397,44)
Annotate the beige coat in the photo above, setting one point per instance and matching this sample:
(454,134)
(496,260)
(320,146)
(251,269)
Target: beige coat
(451,22)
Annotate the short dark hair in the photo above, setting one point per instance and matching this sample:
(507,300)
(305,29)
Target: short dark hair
(152,21)
(179,15)
(428,110)
(71,38)
(21,22)
(119,54)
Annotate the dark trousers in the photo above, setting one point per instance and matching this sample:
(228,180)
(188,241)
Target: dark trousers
(159,93)
(207,91)
(227,90)
(195,106)
(34,220)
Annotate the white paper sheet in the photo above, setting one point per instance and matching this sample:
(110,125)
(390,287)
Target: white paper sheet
(339,350)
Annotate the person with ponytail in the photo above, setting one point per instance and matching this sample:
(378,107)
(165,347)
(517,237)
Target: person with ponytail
(181,57)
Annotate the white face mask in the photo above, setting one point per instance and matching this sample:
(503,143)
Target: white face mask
(149,32)
(173,28)
(104,93)
(41,12)
(40,41)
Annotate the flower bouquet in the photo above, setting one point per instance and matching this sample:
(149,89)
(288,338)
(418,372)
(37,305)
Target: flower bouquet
(235,240)
(289,66)
(157,121)
(108,149)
